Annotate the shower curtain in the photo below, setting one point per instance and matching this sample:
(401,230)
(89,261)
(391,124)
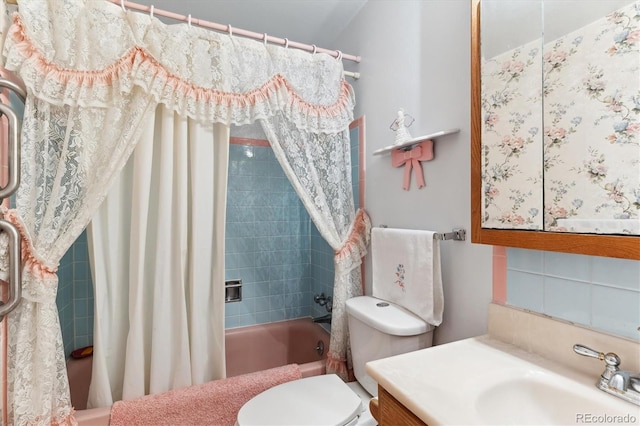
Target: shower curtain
(156,247)
(95,75)
(320,172)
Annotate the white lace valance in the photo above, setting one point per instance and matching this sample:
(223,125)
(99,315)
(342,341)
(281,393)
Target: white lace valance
(205,75)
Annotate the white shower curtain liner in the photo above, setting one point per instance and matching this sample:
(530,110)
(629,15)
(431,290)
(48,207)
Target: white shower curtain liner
(156,247)
(95,75)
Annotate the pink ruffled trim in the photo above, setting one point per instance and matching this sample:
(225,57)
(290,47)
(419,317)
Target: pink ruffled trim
(338,365)
(70,420)
(355,246)
(30,259)
(137,62)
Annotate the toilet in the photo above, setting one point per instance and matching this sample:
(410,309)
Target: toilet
(377,329)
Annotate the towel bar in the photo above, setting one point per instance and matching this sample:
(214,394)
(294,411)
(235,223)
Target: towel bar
(457,234)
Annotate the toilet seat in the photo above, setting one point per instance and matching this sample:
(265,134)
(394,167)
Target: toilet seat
(317,400)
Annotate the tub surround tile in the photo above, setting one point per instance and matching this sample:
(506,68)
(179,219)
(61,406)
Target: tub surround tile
(277,315)
(75,296)
(266,214)
(262,304)
(262,317)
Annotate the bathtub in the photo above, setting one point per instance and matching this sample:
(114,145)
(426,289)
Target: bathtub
(248,349)
(259,347)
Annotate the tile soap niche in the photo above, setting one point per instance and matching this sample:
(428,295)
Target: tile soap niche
(232,291)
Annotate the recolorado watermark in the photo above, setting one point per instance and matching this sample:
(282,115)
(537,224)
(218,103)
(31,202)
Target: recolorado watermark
(590,418)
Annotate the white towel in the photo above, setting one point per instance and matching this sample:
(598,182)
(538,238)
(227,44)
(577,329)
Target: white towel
(406,271)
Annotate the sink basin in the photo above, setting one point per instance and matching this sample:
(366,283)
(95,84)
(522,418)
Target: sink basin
(539,397)
(483,381)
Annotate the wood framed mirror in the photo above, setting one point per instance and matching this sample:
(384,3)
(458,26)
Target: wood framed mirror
(619,246)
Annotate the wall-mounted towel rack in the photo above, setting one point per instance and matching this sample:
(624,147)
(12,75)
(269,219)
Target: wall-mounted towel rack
(457,234)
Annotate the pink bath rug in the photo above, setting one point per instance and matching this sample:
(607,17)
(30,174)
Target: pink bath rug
(213,403)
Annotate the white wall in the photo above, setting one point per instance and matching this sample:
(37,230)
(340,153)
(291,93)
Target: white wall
(416,56)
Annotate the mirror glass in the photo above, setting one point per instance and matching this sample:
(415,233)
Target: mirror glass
(560,98)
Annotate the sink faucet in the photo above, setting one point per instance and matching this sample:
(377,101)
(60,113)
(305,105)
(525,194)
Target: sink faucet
(614,381)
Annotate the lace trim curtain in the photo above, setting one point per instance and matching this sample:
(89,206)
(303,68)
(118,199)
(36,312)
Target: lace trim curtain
(94,75)
(319,168)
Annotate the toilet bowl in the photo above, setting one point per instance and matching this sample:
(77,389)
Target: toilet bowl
(377,329)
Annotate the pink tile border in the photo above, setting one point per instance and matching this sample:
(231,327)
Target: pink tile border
(499,275)
(250,142)
(360,122)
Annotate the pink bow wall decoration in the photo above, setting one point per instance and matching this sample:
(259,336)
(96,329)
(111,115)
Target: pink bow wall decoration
(411,159)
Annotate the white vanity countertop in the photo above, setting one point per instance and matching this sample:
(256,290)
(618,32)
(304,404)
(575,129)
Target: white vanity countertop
(482,380)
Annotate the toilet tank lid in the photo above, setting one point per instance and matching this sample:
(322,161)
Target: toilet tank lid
(386,316)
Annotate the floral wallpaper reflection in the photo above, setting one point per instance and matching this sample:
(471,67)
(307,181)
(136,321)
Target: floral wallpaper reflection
(586,146)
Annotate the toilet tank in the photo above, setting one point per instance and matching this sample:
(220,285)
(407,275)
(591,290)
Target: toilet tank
(379,329)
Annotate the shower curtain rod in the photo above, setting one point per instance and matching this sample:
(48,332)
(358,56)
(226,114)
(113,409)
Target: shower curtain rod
(237,31)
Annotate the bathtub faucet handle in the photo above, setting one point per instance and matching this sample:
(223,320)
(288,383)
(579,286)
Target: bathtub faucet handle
(322,300)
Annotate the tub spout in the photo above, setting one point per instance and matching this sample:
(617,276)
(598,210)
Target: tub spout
(323,319)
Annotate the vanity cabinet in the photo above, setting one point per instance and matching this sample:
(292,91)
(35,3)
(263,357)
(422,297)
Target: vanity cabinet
(390,411)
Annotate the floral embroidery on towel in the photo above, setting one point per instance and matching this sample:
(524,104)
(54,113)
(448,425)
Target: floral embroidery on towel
(400,276)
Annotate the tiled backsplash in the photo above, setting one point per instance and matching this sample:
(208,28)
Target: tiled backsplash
(602,293)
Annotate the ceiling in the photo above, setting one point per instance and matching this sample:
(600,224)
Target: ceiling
(316,22)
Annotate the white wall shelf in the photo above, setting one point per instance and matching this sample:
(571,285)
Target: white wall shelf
(408,144)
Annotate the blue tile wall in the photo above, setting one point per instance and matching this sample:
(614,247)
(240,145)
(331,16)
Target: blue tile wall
(322,270)
(602,293)
(75,296)
(267,240)
(64,300)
